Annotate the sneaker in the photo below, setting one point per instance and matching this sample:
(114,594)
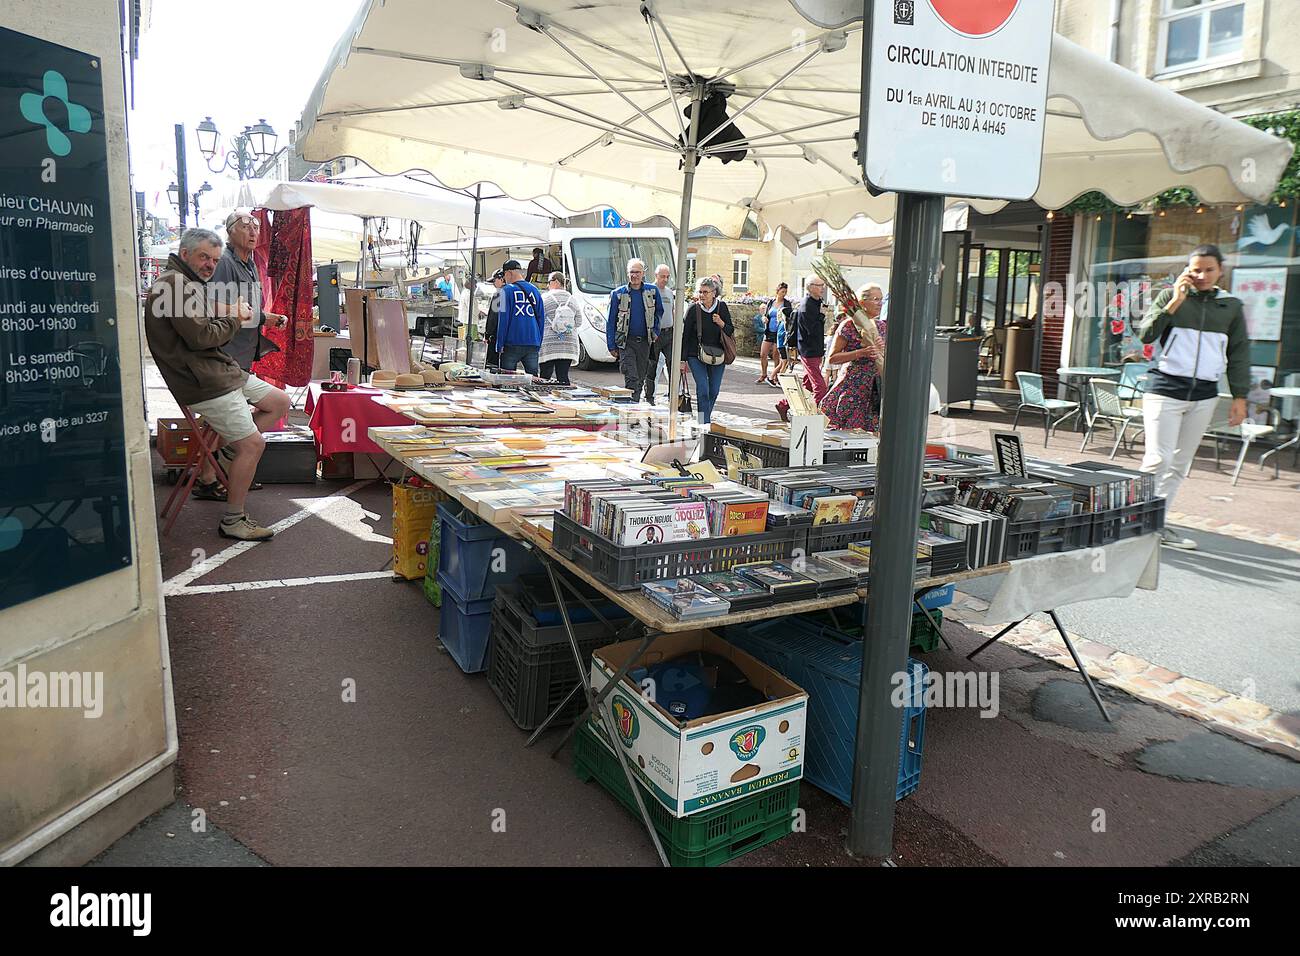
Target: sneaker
(1169,538)
(243,528)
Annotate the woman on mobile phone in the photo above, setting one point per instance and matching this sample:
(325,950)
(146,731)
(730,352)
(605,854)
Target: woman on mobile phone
(1202,333)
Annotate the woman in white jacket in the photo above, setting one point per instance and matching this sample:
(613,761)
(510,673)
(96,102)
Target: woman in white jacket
(559,331)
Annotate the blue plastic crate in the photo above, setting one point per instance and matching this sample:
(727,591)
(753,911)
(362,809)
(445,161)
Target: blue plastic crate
(467,555)
(830,669)
(464,627)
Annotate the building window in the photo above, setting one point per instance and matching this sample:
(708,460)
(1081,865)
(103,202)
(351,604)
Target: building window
(690,270)
(1198,33)
(740,273)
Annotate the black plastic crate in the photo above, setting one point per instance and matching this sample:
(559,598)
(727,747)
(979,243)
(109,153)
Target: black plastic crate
(1131,521)
(530,667)
(836,537)
(1027,539)
(771,456)
(627,568)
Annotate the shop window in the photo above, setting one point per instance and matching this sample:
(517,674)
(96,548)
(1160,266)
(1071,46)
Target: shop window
(1200,33)
(740,273)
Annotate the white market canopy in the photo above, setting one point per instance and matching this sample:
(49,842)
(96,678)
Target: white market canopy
(442,215)
(570,99)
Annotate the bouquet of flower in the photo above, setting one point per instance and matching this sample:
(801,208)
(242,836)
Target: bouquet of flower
(828,270)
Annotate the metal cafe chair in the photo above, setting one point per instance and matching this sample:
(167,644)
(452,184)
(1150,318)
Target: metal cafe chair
(1031,396)
(1245,433)
(1109,409)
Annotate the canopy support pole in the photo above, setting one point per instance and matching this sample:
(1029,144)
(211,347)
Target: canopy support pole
(689,157)
(471,316)
(913,306)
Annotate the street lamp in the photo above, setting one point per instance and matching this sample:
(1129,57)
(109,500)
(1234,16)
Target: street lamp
(174,194)
(255,144)
(205,188)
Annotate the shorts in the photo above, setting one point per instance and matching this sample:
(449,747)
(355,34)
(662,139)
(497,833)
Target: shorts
(769,337)
(231,415)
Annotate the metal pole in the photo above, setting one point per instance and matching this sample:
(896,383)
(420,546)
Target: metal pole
(182,185)
(471,317)
(913,306)
(683,234)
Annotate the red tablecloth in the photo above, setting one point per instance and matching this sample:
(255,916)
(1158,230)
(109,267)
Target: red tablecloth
(338,416)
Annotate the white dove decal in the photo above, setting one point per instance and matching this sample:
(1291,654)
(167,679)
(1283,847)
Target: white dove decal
(1259,232)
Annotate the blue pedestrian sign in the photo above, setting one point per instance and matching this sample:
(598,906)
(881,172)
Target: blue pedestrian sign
(609,219)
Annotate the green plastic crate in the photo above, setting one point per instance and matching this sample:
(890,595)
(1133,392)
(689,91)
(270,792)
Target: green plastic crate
(708,838)
(924,637)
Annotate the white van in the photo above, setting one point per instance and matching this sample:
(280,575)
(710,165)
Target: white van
(594,260)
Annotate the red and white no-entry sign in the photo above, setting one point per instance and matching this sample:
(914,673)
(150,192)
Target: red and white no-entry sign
(975,18)
(954,96)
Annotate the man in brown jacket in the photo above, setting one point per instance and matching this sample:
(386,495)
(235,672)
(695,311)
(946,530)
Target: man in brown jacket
(186,331)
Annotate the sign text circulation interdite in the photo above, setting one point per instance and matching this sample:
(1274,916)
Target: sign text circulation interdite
(957,95)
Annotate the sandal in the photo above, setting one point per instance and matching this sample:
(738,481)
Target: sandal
(209,491)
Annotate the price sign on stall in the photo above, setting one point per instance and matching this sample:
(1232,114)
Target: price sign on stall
(954,96)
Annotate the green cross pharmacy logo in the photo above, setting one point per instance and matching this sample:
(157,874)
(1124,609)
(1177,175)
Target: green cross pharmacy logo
(32,106)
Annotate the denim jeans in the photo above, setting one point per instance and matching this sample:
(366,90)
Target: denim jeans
(512,355)
(708,385)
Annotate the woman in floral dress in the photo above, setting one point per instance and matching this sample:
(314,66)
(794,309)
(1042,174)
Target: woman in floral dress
(859,347)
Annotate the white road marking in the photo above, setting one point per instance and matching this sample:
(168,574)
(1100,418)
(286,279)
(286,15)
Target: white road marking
(285,583)
(175,584)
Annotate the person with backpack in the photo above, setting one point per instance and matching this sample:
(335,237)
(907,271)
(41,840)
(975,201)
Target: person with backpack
(559,332)
(1202,334)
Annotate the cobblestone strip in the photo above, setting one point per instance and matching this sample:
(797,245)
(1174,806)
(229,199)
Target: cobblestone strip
(1219,526)
(1247,720)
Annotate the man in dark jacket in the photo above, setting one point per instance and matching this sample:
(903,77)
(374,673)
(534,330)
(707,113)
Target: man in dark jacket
(493,357)
(236,278)
(810,338)
(187,333)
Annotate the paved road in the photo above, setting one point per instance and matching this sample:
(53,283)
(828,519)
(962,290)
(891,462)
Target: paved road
(1228,614)
(417,769)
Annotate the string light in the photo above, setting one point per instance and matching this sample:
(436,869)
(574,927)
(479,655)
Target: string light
(1099,217)
(1051,215)
(1199,210)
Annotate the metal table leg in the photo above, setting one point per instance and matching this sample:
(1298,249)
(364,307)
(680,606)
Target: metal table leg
(593,706)
(916,599)
(1083,672)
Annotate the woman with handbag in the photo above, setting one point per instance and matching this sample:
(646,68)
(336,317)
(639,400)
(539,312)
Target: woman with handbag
(858,346)
(707,346)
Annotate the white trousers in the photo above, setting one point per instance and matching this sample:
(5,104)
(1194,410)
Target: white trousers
(1174,429)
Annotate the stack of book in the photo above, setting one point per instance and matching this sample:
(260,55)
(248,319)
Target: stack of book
(781,580)
(848,561)
(738,591)
(684,599)
(946,554)
(923,567)
(983,533)
(661,510)
(831,578)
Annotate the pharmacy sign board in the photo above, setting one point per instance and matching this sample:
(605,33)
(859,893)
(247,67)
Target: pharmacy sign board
(954,96)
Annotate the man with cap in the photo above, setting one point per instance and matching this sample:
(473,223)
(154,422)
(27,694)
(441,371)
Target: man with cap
(539,267)
(493,359)
(519,321)
(236,277)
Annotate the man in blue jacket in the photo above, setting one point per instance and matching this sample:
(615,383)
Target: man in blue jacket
(519,322)
(629,330)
